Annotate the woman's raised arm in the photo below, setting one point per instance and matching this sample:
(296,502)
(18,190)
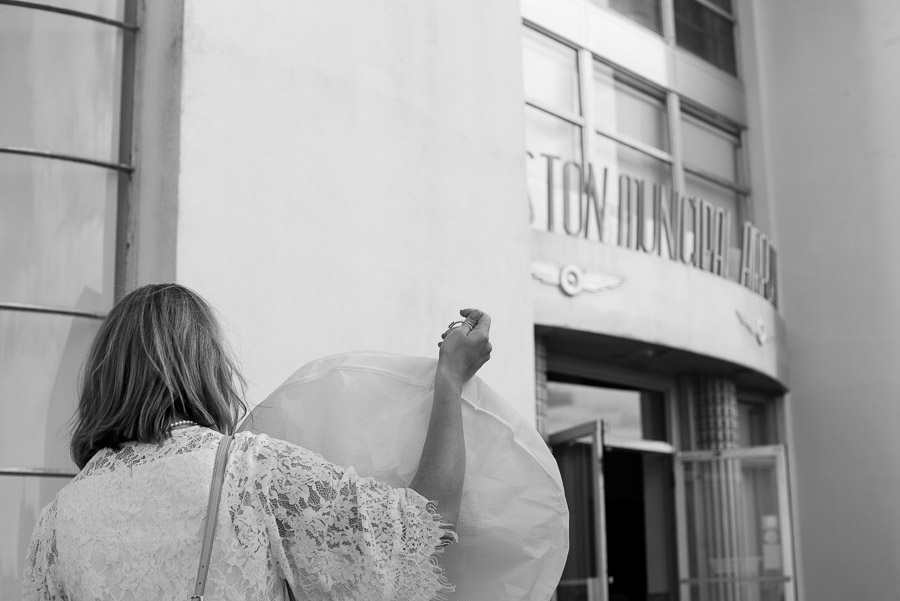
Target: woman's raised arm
(442,466)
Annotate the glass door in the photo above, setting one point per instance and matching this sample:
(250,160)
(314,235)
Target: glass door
(579,452)
(734,525)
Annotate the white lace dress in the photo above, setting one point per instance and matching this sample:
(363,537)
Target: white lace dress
(129,527)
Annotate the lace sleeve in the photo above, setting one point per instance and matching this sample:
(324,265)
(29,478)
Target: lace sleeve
(337,535)
(37,583)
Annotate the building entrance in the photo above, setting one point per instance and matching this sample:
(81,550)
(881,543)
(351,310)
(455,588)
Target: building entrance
(676,482)
(640,525)
(622,519)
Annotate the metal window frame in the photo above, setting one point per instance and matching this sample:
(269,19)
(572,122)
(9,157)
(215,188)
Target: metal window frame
(735,35)
(123,167)
(124,215)
(668,19)
(712,120)
(635,80)
(769,405)
(125,25)
(44,154)
(676,106)
(577,50)
(594,430)
(567,116)
(717,9)
(577,120)
(786,527)
(129,27)
(49,309)
(637,145)
(667,386)
(717,180)
(641,86)
(36,472)
(636,380)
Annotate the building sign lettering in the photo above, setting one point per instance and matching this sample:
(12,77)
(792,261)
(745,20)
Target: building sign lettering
(655,219)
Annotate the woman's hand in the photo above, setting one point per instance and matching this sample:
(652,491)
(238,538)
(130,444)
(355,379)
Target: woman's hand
(466,347)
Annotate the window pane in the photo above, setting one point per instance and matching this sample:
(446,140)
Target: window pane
(21,502)
(626,166)
(710,148)
(550,72)
(627,161)
(755,421)
(735,529)
(707,34)
(578,470)
(624,109)
(61,81)
(40,357)
(57,233)
(627,414)
(548,135)
(726,199)
(645,12)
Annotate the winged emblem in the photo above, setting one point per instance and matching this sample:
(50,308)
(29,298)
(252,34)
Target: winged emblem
(572,280)
(758,329)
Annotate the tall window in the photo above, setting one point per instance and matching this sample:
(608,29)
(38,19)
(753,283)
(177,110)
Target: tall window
(704,28)
(602,161)
(64,165)
(632,138)
(555,127)
(712,171)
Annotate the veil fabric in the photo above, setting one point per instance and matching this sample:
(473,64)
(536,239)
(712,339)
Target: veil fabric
(370,410)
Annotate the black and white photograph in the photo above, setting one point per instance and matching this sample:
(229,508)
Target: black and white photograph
(513,300)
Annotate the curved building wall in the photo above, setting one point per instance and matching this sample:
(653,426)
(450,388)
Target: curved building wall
(64,165)
(660,343)
(646,176)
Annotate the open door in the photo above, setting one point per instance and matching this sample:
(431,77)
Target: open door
(579,453)
(734,525)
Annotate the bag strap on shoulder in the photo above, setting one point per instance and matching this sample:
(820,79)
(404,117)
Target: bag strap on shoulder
(209,534)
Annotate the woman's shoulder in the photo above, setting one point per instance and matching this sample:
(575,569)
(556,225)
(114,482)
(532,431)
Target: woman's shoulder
(274,453)
(255,442)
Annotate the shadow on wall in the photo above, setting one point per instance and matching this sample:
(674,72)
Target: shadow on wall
(37,492)
(64,396)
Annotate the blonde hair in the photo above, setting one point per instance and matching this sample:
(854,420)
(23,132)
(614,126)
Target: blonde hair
(159,356)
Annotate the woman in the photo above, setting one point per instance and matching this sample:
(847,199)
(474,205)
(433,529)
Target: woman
(158,392)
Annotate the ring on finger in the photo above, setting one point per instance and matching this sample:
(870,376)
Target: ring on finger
(456,324)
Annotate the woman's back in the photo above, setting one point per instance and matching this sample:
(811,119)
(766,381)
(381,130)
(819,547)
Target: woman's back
(130,527)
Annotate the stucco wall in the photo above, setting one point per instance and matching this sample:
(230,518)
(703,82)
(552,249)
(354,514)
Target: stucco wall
(351,174)
(831,92)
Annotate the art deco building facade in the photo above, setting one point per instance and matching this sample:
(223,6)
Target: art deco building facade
(679,213)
